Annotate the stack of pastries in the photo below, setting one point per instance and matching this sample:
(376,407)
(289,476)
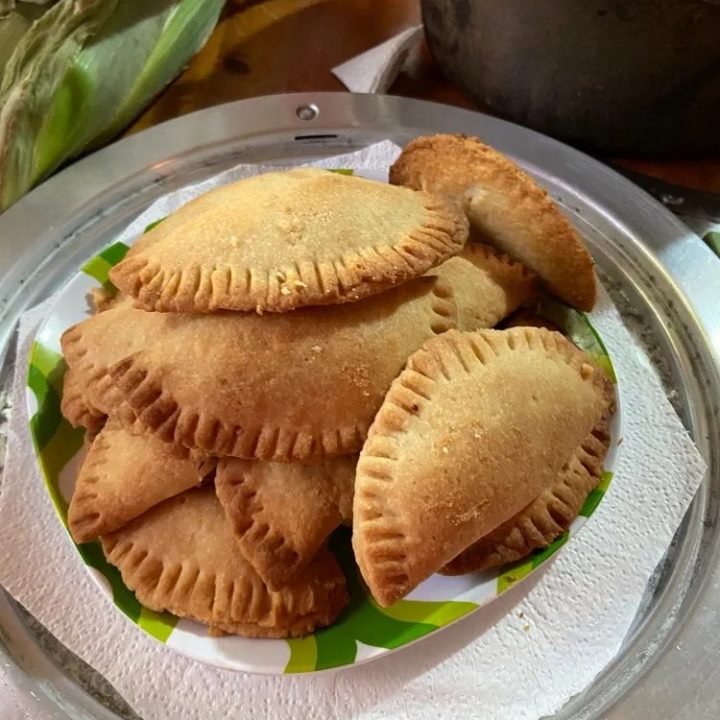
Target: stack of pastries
(304,349)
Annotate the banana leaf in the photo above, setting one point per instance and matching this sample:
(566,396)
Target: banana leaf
(82,71)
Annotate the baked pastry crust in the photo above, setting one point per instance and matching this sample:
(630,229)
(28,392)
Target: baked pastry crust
(180,556)
(124,475)
(282,513)
(284,240)
(446,460)
(546,518)
(506,206)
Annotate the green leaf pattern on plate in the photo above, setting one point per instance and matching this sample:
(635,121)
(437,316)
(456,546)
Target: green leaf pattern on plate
(100,265)
(365,621)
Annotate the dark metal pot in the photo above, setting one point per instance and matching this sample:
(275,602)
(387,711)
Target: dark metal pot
(635,76)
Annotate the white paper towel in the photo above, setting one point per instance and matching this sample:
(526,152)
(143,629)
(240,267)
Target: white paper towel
(520,658)
(375,70)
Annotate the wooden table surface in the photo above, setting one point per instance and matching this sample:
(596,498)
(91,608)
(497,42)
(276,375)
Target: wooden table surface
(262,47)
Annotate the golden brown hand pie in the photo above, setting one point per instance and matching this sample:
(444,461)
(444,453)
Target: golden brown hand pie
(475,428)
(293,386)
(546,518)
(506,206)
(181,557)
(124,475)
(289,239)
(488,285)
(281,513)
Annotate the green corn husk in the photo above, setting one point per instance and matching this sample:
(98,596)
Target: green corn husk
(82,72)
(15,21)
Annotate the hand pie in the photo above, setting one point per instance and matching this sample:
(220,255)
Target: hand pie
(546,518)
(477,426)
(506,206)
(488,285)
(181,557)
(289,239)
(124,475)
(281,513)
(289,387)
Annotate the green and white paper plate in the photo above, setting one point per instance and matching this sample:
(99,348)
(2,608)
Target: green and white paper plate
(365,630)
